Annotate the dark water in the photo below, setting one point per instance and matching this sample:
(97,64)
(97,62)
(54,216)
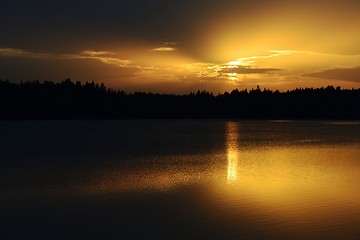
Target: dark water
(180,179)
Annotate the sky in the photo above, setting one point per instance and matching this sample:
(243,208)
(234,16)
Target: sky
(178,46)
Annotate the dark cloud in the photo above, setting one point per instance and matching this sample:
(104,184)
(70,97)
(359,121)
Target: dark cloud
(66,25)
(249,70)
(16,69)
(73,25)
(345,74)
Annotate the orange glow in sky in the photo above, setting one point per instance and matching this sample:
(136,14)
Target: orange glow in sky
(274,44)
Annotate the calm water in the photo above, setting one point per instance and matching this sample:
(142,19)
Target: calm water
(180,179)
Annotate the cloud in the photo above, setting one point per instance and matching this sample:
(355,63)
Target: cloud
(249,70)
(166,47)
(250,61)
(13,52)
(171,43)
(163,49)
(97,53)
(230,71)
(344,74)
(92,24)
(102,56)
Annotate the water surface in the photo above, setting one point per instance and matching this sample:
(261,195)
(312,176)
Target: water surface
(180,179)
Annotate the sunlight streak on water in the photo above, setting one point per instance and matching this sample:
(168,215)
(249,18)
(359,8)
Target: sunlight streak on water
(232,171)
(232,151)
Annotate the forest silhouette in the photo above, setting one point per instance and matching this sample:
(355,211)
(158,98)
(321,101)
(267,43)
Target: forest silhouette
(74,100)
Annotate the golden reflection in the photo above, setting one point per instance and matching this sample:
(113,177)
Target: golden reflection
(290,182)
(232,151)
(232,157)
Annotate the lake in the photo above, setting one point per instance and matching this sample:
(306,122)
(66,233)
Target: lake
(180,179)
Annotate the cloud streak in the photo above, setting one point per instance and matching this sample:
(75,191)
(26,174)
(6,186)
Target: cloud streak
(13,52)
(163,49)
(249,70)
(102,56)
(344,74)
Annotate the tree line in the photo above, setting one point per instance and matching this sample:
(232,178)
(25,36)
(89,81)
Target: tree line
(74,100)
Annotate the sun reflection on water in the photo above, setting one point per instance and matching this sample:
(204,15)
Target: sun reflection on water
(296,183)
(232,157)
(307,186)
(232,151)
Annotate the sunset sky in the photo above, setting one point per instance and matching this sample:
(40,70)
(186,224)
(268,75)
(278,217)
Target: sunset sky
(177,46)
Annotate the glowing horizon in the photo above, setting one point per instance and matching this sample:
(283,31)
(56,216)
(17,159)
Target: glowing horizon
(277,45)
